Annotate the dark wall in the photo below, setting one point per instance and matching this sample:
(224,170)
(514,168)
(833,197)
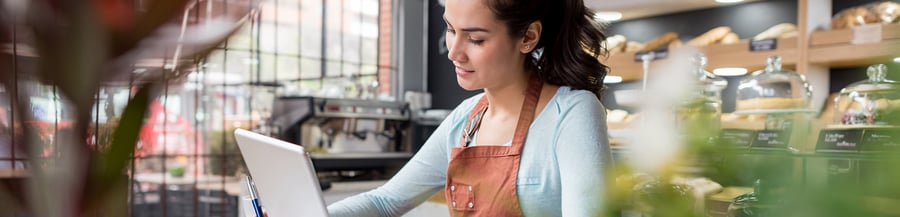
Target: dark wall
(445,92)
(746,20)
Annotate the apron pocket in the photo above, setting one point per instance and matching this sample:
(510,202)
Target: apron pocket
(461,196)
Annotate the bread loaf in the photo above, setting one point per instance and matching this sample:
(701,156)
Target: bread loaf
(851,17)
(710,37)
(659,42)
(615,44)
(730,38)
(633,46)
(887,12)
(776,31)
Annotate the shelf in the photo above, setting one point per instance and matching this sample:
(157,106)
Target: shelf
(835,48)
(719,55)
(844,36)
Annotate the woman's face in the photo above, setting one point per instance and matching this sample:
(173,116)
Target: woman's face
(480,47)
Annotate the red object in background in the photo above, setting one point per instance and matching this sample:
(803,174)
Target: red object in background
(171,134)
(115,14)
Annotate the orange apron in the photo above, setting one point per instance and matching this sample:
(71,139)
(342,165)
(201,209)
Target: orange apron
(481,180)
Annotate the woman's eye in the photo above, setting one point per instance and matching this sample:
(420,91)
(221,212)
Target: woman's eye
(476,42)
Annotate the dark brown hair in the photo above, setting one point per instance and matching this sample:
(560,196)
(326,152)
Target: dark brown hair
(570,42)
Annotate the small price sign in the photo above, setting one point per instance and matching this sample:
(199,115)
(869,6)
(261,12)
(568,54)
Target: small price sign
(654,54)
(763,45)
(737,138)
(769,139)
(839,140)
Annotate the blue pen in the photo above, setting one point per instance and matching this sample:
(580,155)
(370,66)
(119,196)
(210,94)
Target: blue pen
(253,197)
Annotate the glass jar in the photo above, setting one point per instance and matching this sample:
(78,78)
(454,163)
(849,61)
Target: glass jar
(773,89)
(872,102)
(704,103)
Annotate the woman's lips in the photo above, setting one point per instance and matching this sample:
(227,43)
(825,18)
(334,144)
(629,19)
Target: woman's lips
(462,72)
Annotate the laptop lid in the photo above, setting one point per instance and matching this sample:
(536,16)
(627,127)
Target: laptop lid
(284,175)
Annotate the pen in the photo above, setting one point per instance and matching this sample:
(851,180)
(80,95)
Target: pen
(253,197)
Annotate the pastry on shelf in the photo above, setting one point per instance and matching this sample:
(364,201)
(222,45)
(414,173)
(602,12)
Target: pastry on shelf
(710,37)
(887,12)
(781,30)
(615,44)
(771,103)
(660,41)
(855,16)
(730,38)
(633,46)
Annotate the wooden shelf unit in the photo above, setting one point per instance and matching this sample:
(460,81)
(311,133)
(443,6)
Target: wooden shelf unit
(821,48)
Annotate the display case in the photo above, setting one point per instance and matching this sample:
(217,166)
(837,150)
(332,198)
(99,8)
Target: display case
(874,102)
(773,89)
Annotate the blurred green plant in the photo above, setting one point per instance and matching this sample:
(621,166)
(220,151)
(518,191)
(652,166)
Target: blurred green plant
(80,46)
(226,159)
(781,179)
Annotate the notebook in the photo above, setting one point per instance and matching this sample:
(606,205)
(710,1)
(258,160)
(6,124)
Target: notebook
(284,175)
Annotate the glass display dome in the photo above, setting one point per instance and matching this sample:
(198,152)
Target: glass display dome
(872,102)
(773,90)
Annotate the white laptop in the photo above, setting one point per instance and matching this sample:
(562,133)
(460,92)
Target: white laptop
(283,174)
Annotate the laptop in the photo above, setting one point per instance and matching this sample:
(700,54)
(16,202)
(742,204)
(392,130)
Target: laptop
(285,179)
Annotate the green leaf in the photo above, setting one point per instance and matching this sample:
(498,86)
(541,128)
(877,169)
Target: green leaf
(108,167)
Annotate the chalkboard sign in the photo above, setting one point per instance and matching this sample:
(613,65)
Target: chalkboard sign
(839,140)
(771,139)
(737,138)
(881,140)
(655,54)
(764,45)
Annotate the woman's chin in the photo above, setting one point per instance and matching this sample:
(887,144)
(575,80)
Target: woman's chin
(466,85)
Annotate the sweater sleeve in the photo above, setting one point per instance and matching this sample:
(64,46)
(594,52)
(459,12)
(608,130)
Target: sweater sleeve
(582,147)
(419,179)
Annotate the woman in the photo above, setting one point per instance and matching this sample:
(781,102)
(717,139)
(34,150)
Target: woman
(534,143)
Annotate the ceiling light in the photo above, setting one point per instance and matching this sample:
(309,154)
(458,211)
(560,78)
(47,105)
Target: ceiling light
(728,1)
(612,79)
(608,15)
(897,59)
(139,70)
(730,71)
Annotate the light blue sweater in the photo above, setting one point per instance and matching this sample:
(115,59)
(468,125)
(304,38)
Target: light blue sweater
(561,171)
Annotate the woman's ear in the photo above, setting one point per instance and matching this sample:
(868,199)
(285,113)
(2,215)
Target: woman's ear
(532,35)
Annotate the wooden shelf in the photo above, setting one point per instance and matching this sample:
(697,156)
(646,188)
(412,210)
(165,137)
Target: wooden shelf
(835,49)
(720,55)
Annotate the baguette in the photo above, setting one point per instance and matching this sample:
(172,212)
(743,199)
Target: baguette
(658,42)
(730,38)
(633,46)
(776,31)
(615,44)
(710,37)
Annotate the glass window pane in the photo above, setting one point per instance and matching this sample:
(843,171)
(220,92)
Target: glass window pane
(288,68)
(334,29)
(268,71)
(333,69)
(238,67)
(369,51)
(310,68)
(242,39)
(268,37)
(288,40)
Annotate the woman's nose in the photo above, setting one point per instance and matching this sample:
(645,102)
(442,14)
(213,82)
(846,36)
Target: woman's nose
(455,51)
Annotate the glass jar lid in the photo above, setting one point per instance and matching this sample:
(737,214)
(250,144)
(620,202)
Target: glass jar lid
(773,89)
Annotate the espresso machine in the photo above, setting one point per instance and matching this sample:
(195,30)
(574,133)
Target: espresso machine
(344,135)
